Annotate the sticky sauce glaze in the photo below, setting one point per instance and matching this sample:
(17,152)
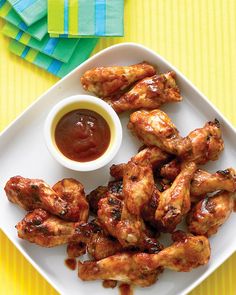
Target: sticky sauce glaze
(82,135)
(70,263)
(125,289)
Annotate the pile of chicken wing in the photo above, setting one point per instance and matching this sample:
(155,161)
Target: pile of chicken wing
(159,187)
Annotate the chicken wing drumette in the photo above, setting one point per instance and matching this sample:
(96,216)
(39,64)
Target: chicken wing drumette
(138,185)
(150,93)
(155,128)
(206,145)
(175,202)
(67,201)
(46,230)
(153,154)
(186,253)
(204,182)
(110,81)
(129,229)
(210,213)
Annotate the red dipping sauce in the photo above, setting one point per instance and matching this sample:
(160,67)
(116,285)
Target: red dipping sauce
(82,135)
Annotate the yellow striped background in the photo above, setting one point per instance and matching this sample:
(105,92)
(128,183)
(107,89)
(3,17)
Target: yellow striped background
(198,37)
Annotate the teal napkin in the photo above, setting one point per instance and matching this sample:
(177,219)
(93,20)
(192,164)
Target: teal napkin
(30,10)
(56,67)
(61,49)
(38,30)
(85,18)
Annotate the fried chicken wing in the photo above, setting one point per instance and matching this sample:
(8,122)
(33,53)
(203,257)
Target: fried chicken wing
(129,229)
(72,191)
(68,202)
(155,128)
(175,202)
(204,182)
(150,93)
(186,253)
(207,143)
(209,214)
(153,154)
(110,81)
(138,185)
(120,267)
(44,229)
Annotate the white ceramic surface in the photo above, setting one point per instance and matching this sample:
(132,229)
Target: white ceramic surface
(92,103)
(23,152)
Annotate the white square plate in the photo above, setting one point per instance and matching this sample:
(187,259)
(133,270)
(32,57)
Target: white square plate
(23,152)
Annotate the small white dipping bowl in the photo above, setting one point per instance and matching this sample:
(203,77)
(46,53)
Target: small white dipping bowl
(83,102)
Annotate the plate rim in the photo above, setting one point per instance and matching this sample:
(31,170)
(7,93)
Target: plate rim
(231,250)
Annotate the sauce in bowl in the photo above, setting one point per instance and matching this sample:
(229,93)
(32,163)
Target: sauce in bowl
(82,135)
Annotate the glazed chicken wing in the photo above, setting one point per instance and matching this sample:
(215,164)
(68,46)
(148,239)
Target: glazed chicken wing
(150,93)
(138,185)
(207,144)
(68,202)
(110,81)
(126,227)
(155,128)
(72,191)
(44,229)
(175,202)
(154,155)
(204,182)
(186,253)
(210,213)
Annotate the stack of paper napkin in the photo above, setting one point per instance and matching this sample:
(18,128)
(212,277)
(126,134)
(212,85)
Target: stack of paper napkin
(59,35)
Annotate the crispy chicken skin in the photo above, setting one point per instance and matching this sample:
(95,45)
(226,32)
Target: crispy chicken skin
(68,202)
(153,154)
(129,229)
(150,93)
(175,202)
(186,253)
(72,191)
(44,229)
(110,81)
(155,128)
(138,185)
(204,182)
(209,214)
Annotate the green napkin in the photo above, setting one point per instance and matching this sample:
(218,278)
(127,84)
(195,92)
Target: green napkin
(37,30)
(85,18)
(56,67)
(60,49)
(30,11)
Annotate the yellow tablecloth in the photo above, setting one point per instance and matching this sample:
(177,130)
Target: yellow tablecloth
(198,37)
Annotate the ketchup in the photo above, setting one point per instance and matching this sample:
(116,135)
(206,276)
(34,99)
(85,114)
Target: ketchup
(82,135)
